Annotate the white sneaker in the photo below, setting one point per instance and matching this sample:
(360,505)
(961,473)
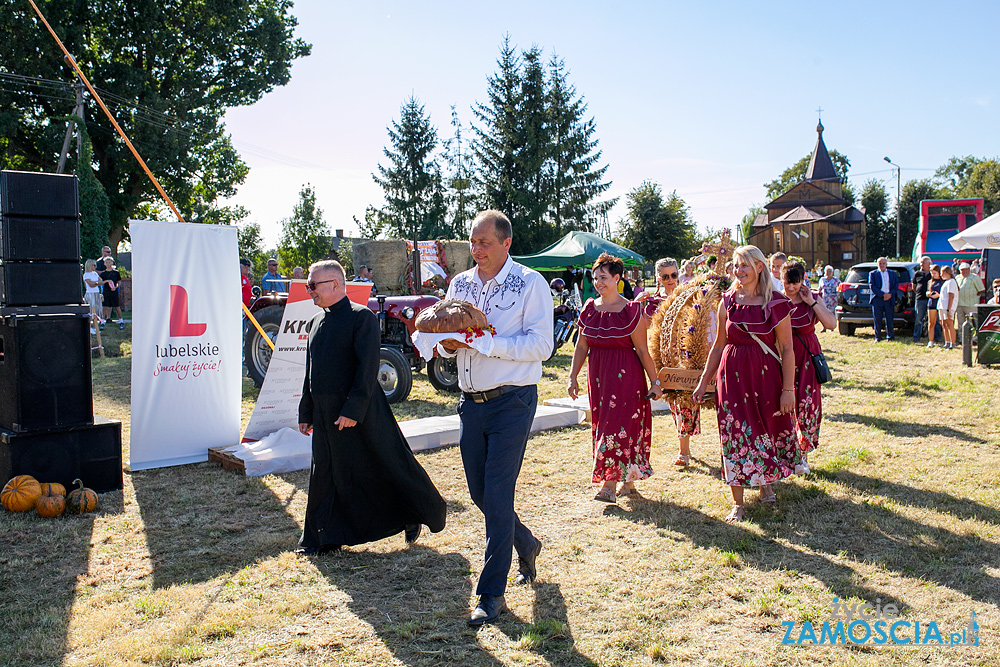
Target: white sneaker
(930,345)
(92,331)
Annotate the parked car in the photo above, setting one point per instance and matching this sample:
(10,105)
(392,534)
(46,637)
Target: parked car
(398,358)
(854,297)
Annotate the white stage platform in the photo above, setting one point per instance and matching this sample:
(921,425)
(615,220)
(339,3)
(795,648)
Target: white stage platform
(287,450)
(582,402)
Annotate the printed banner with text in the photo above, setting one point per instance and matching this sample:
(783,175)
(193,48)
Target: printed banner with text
(186,342)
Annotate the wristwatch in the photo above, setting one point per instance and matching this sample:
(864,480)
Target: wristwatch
(657,383)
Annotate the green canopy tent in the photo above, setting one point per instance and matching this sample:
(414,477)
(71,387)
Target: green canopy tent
(577,249)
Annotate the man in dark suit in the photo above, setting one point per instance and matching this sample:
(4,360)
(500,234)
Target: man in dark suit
(884,283)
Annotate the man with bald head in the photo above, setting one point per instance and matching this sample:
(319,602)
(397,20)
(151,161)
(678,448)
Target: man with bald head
(364,484)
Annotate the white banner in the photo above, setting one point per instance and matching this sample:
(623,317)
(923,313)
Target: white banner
(278,402)
(186,342)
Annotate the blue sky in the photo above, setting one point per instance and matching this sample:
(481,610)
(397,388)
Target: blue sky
(711,99)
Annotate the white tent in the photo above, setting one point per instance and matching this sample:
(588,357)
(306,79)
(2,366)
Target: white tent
(980,236)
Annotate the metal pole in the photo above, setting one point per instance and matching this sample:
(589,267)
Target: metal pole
(899,199)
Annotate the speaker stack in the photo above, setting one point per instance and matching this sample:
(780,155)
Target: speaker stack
(47,424)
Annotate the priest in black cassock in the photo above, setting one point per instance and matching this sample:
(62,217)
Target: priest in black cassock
(365,484)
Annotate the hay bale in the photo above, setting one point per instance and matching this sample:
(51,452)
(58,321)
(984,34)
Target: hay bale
(457,257)
(390,262)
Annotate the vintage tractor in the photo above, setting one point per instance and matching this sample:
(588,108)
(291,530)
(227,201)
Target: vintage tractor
(398,360)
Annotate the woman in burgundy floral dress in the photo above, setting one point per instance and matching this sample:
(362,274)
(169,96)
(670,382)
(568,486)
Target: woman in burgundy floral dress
(687,421)
(807,309)
(613,341)
(755,385)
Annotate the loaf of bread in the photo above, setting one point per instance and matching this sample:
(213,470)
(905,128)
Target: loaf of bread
(450,315)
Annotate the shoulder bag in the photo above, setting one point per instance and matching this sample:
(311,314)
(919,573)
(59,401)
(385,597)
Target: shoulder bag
(819,362)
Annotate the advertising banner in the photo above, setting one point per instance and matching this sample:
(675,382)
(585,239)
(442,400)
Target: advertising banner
(186,342)
(988,338)
(278,402)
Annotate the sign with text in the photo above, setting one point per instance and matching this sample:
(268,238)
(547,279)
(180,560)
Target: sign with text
(278,402)
(186,335)
(682,379)
(988,337)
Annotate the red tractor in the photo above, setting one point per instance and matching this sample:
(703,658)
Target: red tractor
(398,360)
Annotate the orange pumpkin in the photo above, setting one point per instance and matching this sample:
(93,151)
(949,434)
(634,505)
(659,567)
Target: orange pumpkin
(53,489)
(20,493)
(81,499)
(50,505)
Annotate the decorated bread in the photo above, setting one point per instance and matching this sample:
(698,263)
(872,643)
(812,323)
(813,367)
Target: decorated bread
(451,315)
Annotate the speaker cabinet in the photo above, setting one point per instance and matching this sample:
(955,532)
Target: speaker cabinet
(40,283)
(45,368)
(40,239)
(24,193)
(92,453)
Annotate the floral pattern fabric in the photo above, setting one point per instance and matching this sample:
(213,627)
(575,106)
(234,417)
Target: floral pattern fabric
(687,420)
(828,290)
(759,445)
(621,417)
(808,401)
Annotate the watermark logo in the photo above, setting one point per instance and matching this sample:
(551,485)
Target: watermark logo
(876,625)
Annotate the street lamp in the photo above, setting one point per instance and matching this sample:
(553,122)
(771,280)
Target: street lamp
(899,196)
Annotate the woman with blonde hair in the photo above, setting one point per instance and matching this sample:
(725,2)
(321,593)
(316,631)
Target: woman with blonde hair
(947,305)
(92,292)
(754,360)
(613,342)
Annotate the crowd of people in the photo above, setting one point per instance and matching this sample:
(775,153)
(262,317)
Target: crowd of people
(101,283)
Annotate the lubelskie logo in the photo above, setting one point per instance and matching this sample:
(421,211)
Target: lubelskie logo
(189,359)
(179,323)
(876,624)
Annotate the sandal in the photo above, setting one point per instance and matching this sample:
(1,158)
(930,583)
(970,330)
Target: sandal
(735,515)
(606,496)
(682,460)
(768,495)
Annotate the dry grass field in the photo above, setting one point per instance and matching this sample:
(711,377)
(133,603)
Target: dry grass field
(194,565)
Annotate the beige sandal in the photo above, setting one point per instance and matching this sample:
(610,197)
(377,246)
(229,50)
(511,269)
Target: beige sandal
(682,460)
(767,495)
(606,496)
(736,515)
(627,491)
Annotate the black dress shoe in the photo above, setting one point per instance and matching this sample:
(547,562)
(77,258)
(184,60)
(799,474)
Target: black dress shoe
(526,565)
(411,533)
(488,610)
(317,551)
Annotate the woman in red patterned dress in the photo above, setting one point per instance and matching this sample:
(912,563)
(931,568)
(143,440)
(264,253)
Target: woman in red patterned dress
(687,421)
(807,309)
(614,341)
(755,385)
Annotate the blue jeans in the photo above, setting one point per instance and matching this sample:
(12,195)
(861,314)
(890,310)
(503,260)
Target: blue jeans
(918,321)
(492,439)
(883,310)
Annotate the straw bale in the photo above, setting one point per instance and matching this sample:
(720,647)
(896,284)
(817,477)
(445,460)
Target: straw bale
(389,260)
(457,257)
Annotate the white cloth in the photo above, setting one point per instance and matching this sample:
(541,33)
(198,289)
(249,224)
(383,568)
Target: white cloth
(777,285)
(92,275)
(885,281)
(950,286)
(425,342)
(517,303)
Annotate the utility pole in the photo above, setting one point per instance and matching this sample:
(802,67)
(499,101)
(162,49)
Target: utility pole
(899,199)
(70,126)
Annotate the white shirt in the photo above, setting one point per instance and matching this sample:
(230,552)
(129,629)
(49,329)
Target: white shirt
(777,285)
(949,286)
(91,275)
(518,304)
(885,281)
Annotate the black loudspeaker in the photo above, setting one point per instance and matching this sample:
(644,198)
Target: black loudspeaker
(40,283)
(24,193)
(48,239)
(45,368)
(92,453)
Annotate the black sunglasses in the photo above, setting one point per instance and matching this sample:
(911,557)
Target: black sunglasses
(311,285)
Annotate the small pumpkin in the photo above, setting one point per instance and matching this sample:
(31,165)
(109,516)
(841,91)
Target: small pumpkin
(50,505)
(53,489)
(20,493)
(81,499)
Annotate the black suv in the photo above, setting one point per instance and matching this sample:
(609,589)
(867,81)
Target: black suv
(853,297)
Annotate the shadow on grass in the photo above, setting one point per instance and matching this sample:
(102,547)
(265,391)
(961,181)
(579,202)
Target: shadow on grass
(40,579)
(215,522)
(903,429)
(417,601)
(829,528)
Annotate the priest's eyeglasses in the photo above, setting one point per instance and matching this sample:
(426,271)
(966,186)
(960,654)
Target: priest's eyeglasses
(311,285)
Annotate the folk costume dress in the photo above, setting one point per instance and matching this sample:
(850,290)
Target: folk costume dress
(808,402)
(759,445)
(364,484)
(616,382)
(687,420)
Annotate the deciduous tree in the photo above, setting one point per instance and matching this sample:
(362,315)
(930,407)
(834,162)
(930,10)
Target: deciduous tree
(880,229)
(305,236)
(656,228)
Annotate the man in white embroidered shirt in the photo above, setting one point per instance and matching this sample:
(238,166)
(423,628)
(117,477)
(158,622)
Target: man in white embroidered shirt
(499,396)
